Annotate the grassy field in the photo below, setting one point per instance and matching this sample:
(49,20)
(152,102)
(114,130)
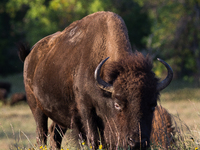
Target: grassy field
(181,99)
(15,124)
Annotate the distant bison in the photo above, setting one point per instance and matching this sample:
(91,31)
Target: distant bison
(5,85)
(162,134)
(69,78)
(17,97)
(3,95)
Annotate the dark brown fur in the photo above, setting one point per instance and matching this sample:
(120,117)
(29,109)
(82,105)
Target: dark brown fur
(132,76)
(3,95)
(23,51)
(162,134)
(5,85)
(60,84)
(17,97)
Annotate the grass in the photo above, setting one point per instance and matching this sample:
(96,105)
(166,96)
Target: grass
(181,99)
(15,121)
(179,90)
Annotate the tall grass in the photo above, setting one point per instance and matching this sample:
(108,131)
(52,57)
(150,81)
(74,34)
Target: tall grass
(181,99)
(17,130)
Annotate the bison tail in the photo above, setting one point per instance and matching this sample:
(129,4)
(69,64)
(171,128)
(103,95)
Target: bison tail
(23,51)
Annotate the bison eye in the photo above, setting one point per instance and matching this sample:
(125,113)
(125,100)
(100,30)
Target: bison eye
(117,106)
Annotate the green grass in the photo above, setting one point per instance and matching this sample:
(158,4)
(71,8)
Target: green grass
(179,90)
(181,99)
(15,121)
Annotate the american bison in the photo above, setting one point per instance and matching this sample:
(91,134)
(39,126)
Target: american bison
(162,133)
(6,86)
(3,95)
(17,97)
(69,78)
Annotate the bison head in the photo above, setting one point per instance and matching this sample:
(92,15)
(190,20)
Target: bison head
(134,91)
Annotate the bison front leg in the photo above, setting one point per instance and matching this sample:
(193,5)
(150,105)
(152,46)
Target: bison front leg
(93,127)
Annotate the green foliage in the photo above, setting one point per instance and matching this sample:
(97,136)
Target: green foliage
(136,20)
(167,29)
(175,33)
(10,32)
(29,21)
(46,17)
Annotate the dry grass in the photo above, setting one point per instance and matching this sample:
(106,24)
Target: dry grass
(186,116)
(188,111)
(181,99)
(13,120)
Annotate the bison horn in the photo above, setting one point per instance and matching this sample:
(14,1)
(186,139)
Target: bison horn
(101,83)
(163,84)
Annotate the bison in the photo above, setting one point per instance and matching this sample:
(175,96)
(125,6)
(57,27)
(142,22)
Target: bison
(87,78)
(3,95)
(17,97)
(162,133)
(6,86)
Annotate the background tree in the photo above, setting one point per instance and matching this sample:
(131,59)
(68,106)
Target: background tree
(175,34)
(11,32)
(164,28)
(29,21)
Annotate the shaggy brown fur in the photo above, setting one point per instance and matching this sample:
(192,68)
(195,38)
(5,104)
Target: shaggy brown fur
(60,84)
(162,131)
(132,76)
(17,97)
(162,134)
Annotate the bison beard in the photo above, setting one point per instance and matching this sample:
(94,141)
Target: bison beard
(161,134)
(68,79)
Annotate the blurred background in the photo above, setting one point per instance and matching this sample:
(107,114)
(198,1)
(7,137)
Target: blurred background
(168,29)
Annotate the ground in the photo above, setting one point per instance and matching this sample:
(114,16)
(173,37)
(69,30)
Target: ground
(181,99)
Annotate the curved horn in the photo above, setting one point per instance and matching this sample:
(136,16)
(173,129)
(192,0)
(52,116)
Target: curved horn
(101,83)
(163,84)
